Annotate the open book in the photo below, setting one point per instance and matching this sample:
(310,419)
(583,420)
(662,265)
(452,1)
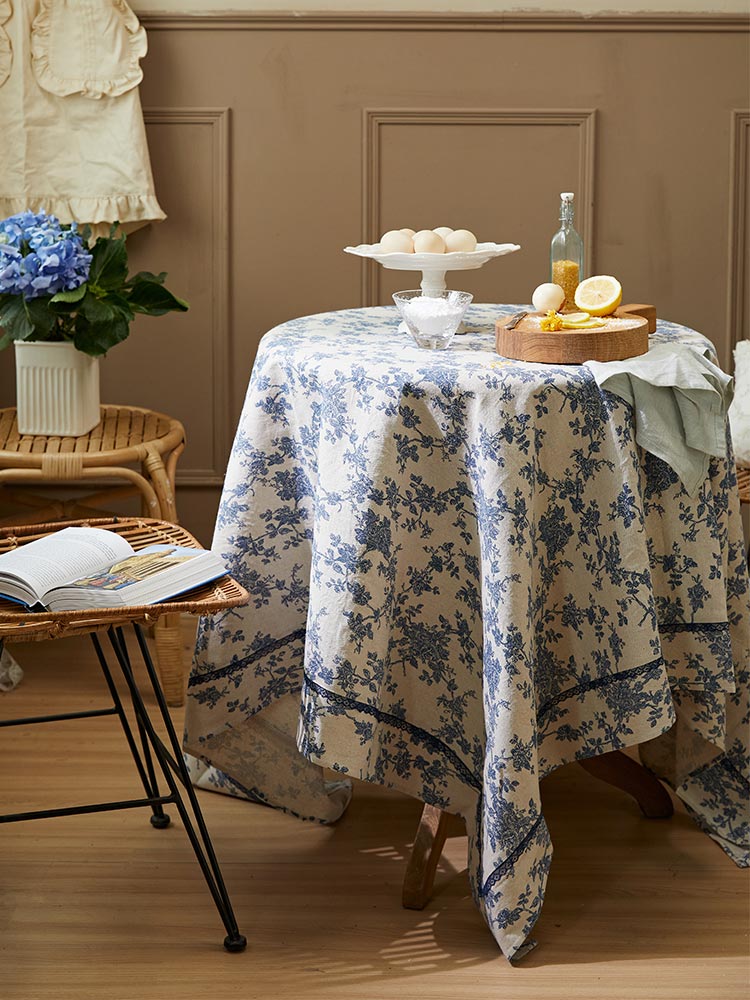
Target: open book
(93,568)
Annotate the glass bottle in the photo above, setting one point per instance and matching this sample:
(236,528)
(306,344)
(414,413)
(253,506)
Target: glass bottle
(566,254)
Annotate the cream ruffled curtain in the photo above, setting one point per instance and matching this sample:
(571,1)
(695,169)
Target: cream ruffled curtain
(74,142)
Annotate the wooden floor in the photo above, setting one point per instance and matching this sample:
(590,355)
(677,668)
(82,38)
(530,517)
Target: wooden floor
(107,908)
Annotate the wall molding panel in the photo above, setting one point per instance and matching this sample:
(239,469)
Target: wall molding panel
(738,323)
(217,120)
(375,119)
(444,21)
(321,145)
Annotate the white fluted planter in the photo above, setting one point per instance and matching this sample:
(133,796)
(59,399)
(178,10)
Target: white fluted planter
(57,389)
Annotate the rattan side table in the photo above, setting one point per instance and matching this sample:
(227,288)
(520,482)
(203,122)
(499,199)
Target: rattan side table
(126,436)
(173,785)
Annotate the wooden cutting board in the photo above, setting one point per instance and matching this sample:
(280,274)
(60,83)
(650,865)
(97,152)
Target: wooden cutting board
(621,337)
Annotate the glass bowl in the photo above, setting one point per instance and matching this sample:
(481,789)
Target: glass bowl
(432,320)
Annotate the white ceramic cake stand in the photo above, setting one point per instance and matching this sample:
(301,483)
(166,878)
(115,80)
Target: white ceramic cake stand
(434,266)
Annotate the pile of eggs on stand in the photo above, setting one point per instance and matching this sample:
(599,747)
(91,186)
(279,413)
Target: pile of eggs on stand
(441,240)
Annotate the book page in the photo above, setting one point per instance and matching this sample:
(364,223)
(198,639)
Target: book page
(149,562)
(63,557)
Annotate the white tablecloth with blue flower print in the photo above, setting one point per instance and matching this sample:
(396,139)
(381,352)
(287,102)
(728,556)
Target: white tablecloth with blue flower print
(463,574)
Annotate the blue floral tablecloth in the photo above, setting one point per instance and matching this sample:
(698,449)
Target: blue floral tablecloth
(463,574)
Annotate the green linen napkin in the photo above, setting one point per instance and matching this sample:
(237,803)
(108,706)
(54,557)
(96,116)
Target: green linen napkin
(680,398)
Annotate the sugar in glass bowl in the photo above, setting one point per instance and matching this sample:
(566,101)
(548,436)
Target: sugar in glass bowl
(432,320)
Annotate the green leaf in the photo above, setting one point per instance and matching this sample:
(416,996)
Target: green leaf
(97,338)
(13,318)
(153,299)
(109,264)
(73,296)
(40,316)
(147,276)
(65,309)
(101,323)
(96,310)
(24,319)
(107,309)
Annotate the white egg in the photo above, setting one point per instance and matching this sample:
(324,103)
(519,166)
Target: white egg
(425,241)
(460,241)
(394,241)
(409,232)
(443,231)
(547,296)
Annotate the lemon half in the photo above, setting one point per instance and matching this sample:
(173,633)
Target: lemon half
(599,295)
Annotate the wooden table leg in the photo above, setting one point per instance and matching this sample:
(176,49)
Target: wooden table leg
(614,768)
(428,846)
(617,769)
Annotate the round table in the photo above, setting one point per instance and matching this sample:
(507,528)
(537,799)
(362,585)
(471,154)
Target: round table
(464,573)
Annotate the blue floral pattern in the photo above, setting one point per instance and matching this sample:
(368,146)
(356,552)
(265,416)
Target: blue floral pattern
(464,573)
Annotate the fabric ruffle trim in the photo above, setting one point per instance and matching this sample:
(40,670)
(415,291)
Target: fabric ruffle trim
(6,49)
(133,210)
(88,84)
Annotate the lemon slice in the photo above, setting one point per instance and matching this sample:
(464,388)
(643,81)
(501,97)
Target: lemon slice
(599,295)
(588,324)
(576,317)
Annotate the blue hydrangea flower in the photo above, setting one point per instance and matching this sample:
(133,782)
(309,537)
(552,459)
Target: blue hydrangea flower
(39,256)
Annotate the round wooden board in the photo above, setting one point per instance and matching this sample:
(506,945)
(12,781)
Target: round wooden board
(622,337)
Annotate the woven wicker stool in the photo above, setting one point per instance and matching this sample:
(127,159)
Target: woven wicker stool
(146,746)
(126,435)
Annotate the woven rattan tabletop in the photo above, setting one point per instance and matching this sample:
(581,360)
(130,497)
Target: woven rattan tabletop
(121,436)
(19,624)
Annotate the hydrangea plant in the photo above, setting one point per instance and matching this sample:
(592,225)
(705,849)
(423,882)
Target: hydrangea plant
(54,286)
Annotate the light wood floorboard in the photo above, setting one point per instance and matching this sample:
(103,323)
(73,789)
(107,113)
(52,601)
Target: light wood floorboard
(107,908)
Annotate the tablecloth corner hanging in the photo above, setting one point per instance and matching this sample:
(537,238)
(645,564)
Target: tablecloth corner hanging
(73,70)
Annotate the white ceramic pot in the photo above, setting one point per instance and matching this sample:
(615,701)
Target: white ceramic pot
(57,389)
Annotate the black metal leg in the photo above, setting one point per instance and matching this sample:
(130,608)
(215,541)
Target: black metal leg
(172,764)
(159,818)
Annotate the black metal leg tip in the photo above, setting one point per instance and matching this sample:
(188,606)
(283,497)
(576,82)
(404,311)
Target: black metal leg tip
(235,942)
(160,822)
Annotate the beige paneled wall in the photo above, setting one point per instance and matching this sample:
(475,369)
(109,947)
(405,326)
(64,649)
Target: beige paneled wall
(276,142)
(486,6)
